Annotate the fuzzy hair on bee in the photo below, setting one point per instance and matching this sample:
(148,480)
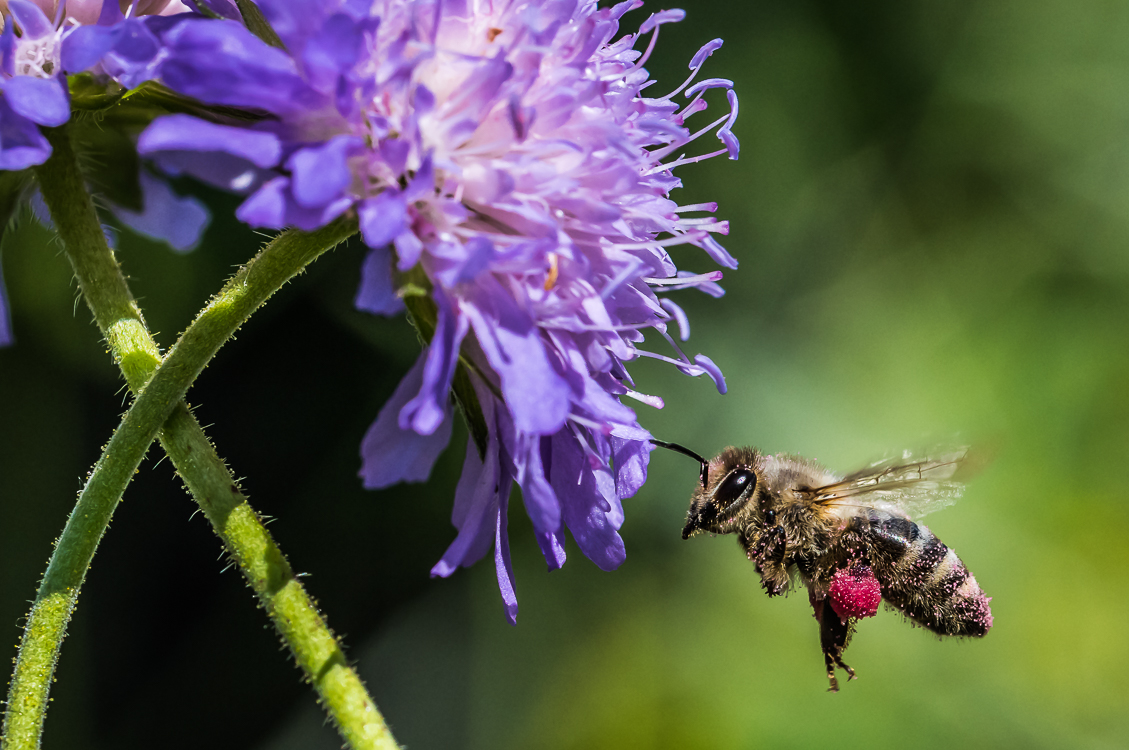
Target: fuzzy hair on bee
(852,540)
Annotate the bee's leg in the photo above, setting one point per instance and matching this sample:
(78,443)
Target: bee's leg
(771,542)
(831,673)
(834,635)
(767,552)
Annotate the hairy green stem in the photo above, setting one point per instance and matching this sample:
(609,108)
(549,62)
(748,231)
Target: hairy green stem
(159,411)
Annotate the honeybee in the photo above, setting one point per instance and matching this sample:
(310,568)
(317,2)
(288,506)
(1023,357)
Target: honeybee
(851,540)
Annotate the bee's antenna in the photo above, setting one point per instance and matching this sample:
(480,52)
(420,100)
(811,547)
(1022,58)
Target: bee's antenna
(687,452)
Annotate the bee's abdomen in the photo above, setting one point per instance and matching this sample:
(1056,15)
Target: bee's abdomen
(924,578)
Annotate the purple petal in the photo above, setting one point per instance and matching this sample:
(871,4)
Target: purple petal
(333,50)
(6,337)
(537,493)
(589,505)
(395,152)
(707,49)
(630,458)
(725,132)
(408,249)
(428,409)
(42,100)
(220,170)
(679,316)
(708,83)
(376,293)
(358,9)
(712,370)
(483,488)
(136,43)
(480,254)
(86,45)
(423,183)
(134,57)
(474,512)
(391,454)
(179,221)
(295,20)
(310,219)
(454,262)
(674,15)
(220,62)
(230,158)
(187,133)
(535,394)
(266,207)
(552,547)
(110,14)
(719,254)
(705,283)
(502,562)
(8,49)
(383,218)
(319,174)
(273,206)
(31,20)
(593,397)
(21,143)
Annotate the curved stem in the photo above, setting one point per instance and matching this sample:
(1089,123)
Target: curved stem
(159,410)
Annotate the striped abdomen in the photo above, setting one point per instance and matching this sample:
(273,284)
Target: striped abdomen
(924,578)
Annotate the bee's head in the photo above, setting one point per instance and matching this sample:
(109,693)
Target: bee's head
(726,485)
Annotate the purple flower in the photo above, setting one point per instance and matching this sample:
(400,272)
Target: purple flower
(33,85)
(41,42)
(33,92)
(503,155)
(34,63)
(177,220)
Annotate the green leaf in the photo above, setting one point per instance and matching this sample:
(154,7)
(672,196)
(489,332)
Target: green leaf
(112,106)
(411,290)
(108,120)
(255,22)
(110,162)
(467,401)
(88,93)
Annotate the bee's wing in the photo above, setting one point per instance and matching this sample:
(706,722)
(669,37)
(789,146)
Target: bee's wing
(904,485)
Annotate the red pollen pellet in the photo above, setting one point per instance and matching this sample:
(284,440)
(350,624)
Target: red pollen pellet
(855,592)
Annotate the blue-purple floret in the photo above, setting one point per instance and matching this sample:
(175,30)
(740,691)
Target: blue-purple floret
(505,149)
(33,92)
(34,65)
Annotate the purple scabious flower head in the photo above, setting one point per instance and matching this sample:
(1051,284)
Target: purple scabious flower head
(43,40)
(502,157)
(37,50)
(32,83)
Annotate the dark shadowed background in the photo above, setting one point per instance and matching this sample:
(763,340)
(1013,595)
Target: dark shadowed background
(931,212)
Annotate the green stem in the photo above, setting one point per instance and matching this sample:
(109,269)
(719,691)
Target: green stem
(159,410)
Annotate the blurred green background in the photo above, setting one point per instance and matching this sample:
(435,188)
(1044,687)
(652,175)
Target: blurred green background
(931,212)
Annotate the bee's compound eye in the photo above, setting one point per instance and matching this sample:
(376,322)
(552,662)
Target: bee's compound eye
(733,487)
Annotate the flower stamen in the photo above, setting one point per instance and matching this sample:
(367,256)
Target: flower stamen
(551,278)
